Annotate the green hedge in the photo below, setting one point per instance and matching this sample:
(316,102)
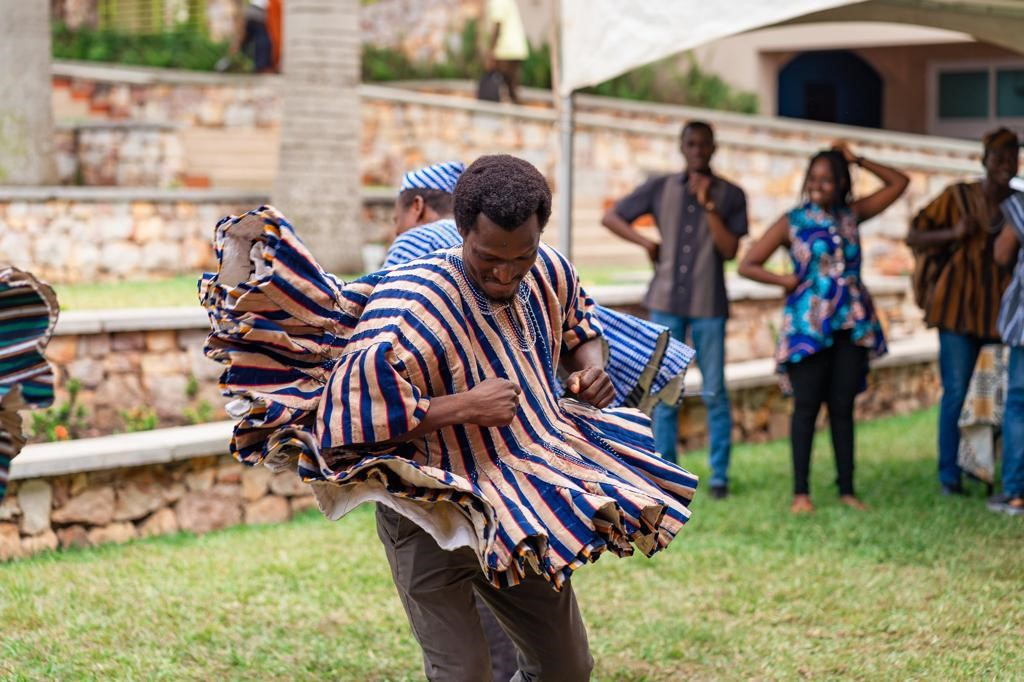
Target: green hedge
(179,48)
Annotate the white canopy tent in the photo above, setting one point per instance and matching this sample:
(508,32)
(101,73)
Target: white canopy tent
(600,39)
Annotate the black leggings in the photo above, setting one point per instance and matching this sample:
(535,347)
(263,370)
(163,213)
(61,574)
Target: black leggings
(832,376)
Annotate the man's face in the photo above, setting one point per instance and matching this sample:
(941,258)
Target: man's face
(1001,165)
(407,217)
(496,259)
(698,146)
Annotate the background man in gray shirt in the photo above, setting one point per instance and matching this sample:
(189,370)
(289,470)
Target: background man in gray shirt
(701,218)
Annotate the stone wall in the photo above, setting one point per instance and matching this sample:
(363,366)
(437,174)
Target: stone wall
(120,155)
(126,375)
(423,30)
(91,235)
(117,505)
(229,131)
(75,235)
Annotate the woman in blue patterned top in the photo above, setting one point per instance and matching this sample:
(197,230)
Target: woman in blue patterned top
(829,326)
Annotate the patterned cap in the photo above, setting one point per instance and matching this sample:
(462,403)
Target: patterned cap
(442,176)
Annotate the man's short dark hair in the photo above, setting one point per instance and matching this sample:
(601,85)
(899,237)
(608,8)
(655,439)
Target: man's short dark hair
(698,125)
(506,189)
(438,200)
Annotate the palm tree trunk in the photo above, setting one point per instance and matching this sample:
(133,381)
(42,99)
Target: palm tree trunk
(26,112)
(318,180)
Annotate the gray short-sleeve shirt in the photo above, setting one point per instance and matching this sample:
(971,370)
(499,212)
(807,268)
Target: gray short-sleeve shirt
(689,279)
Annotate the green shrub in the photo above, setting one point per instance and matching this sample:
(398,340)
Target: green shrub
(179,48)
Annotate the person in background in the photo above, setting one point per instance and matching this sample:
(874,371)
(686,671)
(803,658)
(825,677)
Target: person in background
(423,219)
(959,284)
(507,47)
(829,325)
(701,218)
(1009,247)
(254,38)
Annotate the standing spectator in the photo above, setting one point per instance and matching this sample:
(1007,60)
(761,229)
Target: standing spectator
(506,44)
(701,218)
(959,284)
(1011,328)
(255,41)
(829,325)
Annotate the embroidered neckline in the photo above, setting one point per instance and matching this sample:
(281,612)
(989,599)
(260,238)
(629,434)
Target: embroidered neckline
(515,317)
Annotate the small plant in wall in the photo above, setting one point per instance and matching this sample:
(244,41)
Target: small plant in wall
(139,418)
(199,411)
(64,421)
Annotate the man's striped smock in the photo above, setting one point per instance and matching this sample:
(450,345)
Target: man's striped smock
(646,365)
(327,375)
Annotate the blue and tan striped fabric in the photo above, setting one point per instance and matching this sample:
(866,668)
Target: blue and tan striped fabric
(28,314)
(1011,310)
(560,485)
(646,365)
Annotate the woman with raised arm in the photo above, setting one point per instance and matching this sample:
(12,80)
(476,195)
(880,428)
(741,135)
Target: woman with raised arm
(829,326)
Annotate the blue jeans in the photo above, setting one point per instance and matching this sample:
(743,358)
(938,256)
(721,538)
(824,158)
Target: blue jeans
(709,341)
(957,355)
(1013,426)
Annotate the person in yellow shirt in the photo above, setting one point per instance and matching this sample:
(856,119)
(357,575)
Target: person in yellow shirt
(506,44)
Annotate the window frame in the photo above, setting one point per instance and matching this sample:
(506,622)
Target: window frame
(971,128)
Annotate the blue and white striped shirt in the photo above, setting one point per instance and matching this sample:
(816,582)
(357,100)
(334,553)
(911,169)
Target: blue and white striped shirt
(1011,310)
(419,241)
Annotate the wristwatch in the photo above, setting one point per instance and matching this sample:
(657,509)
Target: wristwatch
(709,207)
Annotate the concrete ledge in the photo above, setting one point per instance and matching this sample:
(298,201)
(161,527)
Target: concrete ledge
(122,450)
(737,288)
(145,75)
(131,320)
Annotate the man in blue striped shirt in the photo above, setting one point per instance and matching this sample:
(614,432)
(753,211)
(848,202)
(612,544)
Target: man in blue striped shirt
(1008,248)
(423,213)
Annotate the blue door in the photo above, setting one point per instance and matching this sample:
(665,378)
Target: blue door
(834,86)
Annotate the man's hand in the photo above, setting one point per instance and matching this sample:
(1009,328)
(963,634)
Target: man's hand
(965,226)
(653,251)
(592,386)
(700,185)
(492,402)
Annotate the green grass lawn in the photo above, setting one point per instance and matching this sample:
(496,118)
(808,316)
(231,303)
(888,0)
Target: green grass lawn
(174,291)
(920,587)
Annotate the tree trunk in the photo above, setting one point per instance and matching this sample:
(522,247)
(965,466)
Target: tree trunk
(318,179)
(26,110)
